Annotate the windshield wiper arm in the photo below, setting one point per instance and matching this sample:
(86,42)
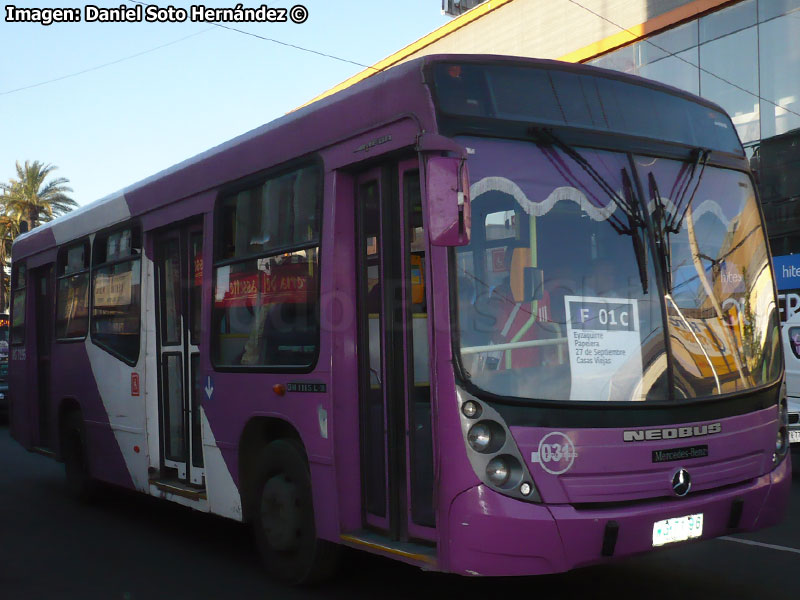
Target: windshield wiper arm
(674,224)
(636,223)
(546,136)
(630,205)
(661,230)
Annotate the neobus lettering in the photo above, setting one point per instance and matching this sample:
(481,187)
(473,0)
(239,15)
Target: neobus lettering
(671,433)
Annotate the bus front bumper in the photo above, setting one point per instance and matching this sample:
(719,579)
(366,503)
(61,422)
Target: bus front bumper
(494,535)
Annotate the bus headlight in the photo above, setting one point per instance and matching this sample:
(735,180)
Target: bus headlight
(492,450)
(781,446)
(504,471)
(471,409)
(780,441)
(782,436)
(486,437)
(498,471)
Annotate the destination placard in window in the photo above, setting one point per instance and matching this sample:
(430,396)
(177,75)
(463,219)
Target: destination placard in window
(605,352)
(288,284)
(113,290)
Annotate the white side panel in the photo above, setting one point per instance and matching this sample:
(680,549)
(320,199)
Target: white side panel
(223,495)
(88,218)
(126,413)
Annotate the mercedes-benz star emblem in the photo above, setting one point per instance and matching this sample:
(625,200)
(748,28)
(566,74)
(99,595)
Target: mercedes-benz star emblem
(681,482)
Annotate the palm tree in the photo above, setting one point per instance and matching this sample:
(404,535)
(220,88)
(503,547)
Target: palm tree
(33,200)
(9,230)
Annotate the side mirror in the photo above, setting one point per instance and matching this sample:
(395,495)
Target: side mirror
(449,214)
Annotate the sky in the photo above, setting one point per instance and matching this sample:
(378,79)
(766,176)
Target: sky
(191,87)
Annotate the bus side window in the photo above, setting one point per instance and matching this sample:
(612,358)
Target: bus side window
(18,295)
(116,287)
(72,292)
(266,293)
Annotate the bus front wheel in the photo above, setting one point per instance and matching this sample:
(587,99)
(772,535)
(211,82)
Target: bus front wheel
(283,517)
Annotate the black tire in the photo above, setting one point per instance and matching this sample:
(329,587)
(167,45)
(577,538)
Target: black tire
(283,518)
(79,482)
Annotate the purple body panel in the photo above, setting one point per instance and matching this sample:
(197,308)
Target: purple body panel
(70,367)
(495,535)
(478,531)
(69,382)
(607,469)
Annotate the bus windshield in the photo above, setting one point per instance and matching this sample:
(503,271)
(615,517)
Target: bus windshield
(558,295)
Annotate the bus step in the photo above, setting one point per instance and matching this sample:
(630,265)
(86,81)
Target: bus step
(179,488)
(410,551)
(44,451)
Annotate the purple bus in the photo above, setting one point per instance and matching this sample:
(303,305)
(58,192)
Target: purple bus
(485,315)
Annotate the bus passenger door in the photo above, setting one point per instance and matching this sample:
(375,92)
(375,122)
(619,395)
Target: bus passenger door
(395,393)
(179,272)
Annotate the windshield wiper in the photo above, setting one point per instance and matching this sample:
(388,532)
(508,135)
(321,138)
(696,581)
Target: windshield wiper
(674,224)
(545,137)
(629,205)
(636,223)
(662,230)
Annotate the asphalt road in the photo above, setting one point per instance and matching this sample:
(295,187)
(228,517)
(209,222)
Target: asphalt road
(132,547)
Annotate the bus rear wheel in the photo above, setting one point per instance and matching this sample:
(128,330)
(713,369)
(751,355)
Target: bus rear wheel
(283,518)
(80,484)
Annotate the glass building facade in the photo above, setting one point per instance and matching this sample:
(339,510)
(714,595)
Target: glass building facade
(746,58)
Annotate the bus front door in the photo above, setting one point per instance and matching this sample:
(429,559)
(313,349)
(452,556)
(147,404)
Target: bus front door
(179,272)
(395,393)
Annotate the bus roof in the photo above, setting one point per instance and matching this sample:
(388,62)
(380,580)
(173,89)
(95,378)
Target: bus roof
(380,99)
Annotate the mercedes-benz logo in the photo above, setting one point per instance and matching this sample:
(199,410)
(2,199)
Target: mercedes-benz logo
(681,482)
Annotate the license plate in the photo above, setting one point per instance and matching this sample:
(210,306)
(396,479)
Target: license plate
(678,529)
(794,437)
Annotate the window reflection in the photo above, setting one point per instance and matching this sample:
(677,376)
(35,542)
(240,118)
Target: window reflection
(265,311)
(734,83)
(779,47)
(720,23)
(739,63)
(653,58)
(679,70)
(769,9)
(721,308)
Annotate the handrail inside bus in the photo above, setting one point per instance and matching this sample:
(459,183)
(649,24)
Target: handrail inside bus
(513,345)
